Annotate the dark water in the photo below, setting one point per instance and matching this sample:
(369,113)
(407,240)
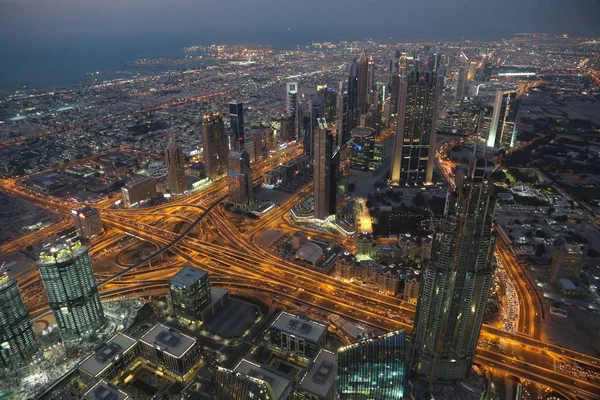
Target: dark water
(46,64)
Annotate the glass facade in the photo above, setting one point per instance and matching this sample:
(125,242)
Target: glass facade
(190,293)
(456,282)
(362,147)
(17,339)
(68,278)
(231,385)
(236,119)
(373,368)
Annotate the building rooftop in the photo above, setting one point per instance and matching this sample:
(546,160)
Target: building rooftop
(279,384)
(61,252)
(105,391)
(106,353)
(302,327)
(187,276)
(168,340)
(137,180)
(310,252)
(319,380)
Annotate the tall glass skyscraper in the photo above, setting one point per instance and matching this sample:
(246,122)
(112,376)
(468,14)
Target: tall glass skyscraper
(214,144)
(175,168)
(373,369)
(456,282)
(17,339)
(236,119)
(68,277)
(414,144)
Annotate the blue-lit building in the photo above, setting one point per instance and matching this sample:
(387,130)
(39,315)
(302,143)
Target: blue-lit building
(362,148)
(374,368)
(190,293)
(236,119)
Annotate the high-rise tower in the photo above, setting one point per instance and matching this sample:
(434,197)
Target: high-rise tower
(343,134)
(68,277)
(240,179)
(456,282)
(175,168)
(363,83)
(236,119)
(502,127)
(414,144)
(353,113)
(325,167)
(17,339)
(214,142)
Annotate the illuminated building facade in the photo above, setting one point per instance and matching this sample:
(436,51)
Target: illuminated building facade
(240,179)
(236,119)
(17,339)
(175,168)
(68,277)
(456,283)
(296,335)
(375,368)
(215,147)
(414,144)
(190,293)
(138,190)
(109,359)
(362,148)
(502,127)
(233,385)
(325,169)
(87,222)
(363,90)
(566,263)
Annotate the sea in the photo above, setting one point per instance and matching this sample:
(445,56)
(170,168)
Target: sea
(49,64)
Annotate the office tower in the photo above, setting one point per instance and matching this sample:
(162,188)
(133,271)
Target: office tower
(370,85)
(214,142)
(414,144)
(236,119)
(233,385)
(329,103)
(472,70)
(17,339)
(109,360)
(343,134)
(286,130)
(373,369)
(362,148)
(68,277)
(87,222)
(502,127)
(103,390)
(240,179)
(456,283)
(291,97)
(175,168)
(168,348)
(566,263)
(138,190)
(325,167)
(310,116)
(363,83)
(353,112)
(460,86)
(190,293)
(296,335)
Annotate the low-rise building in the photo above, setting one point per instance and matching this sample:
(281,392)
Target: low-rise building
(282,387)
(138,190)
(318,381)
(105,391)
(168,348)
(566,263)
(109,359)
(296,335)
(411,287)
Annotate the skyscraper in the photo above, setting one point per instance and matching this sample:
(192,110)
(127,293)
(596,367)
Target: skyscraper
(190,293)
(502,127)
(460,85)
(414,144)
(87,222)
(373,369)
(310,116)
(456,282)
(233,385)
(175,168)
(325,167)
(214,142)
(68,277)
(240,179)
(353,113)
(472,70)
(17,339)
(343,134)
(291,97)
(329,103)
(236,119)
(363,90)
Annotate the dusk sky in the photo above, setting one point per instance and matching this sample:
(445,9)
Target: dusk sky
(56,19)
